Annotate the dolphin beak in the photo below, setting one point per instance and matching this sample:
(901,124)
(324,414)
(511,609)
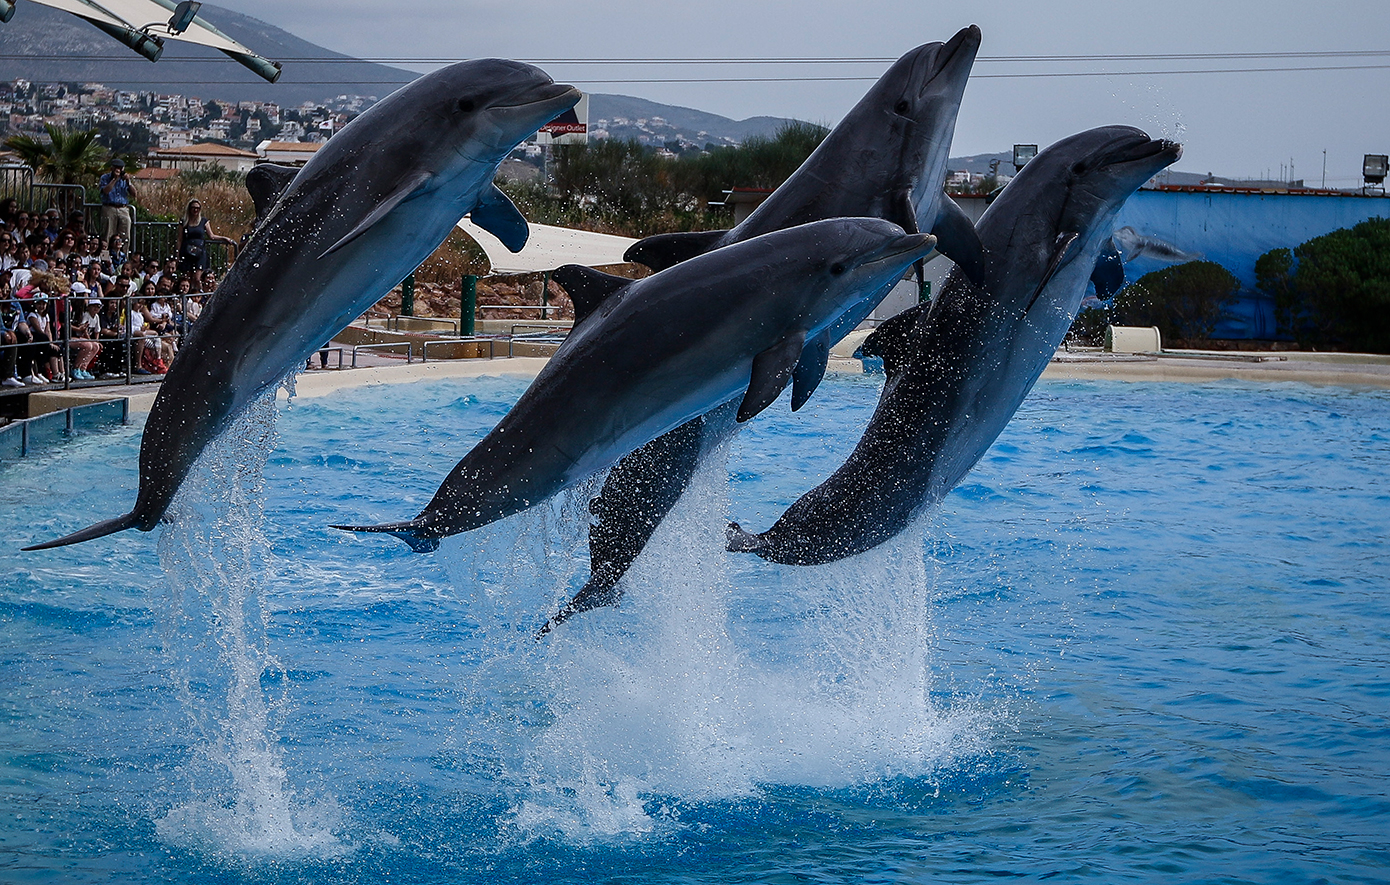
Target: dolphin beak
(906,249)
(957,56)
(558,93)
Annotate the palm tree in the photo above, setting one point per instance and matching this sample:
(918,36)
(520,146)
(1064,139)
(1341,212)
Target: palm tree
(67,157)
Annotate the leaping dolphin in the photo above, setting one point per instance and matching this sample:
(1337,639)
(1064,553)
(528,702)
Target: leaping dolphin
(886,158)
(645,357)
(371,205)
(958,370)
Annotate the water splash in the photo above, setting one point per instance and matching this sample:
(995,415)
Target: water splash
(217,561)
(670,696)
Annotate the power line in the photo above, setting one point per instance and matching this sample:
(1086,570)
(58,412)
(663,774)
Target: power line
(639,80)
(757,60)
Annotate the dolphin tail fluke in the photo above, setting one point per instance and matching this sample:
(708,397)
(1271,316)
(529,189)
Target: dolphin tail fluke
(736,540)
(409,532)
(99,530)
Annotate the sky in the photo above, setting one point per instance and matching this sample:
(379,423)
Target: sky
(1232,124)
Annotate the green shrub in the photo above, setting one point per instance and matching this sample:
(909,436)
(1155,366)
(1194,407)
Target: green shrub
(1333,292)
(1184,301)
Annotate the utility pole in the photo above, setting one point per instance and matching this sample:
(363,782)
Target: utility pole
(1324,169)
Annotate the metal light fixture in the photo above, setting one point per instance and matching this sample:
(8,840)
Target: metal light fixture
(6,10)
(1373,171)
(183,16)
(1022,154)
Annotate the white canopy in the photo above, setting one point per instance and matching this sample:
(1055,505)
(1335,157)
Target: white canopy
(131,20)
(549,247)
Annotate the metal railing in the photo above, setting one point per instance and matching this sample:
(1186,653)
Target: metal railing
(467,339)
(409,349)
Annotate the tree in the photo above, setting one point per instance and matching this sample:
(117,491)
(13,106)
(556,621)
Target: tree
(1333,291)
(1184,301)
(67,157)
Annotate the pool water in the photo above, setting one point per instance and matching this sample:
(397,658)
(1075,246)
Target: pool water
(1148,639)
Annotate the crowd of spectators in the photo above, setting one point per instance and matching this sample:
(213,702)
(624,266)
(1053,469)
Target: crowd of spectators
(74,305)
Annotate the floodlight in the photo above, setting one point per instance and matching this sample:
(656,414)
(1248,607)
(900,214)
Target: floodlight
(1022,154)
(183,16)
(6,10)
(1374,168)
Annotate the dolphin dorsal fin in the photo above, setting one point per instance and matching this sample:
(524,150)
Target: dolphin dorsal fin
(668,250)
(957,240)
(893,340)
(1061,246)
(266,182)
(498,215)
(1109,275)
(772,369)
(404,191)
(587,287)
(810,369)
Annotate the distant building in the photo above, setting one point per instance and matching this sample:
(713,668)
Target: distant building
(195,155)
(286,153)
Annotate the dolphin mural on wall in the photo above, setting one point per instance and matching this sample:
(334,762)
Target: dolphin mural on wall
(959,368)
(366,210)
(646,356)
(886,158)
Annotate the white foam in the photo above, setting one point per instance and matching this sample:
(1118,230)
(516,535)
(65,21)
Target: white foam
(217,561)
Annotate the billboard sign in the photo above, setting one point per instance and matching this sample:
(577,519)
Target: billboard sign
(571,127)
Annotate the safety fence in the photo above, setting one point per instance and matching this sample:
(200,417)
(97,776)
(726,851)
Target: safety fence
(21,438)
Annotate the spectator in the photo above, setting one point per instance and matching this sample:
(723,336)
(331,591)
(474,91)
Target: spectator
(7,259)
(13,332)
(143,337)
(114,359)
(62,247)
(194,237)
(53,224)
(45,355)
(116,198)
(116,249)
(9,211)
(23,268)
(83,335)
(161,320)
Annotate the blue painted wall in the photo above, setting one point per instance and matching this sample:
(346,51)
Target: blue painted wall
(1236,228)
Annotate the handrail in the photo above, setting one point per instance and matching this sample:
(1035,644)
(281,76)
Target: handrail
(453,324)
(541,331)
(409,346)
(467,339)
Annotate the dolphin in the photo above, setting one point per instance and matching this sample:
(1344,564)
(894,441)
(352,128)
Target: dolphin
(1133,244)
(886,158)
(647,356)
(959,368)
(373,203)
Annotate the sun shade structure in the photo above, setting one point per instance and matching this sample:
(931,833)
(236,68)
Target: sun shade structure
(144,25)
(549,247)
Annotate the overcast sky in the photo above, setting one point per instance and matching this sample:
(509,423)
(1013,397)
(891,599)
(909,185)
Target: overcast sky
(1240,124)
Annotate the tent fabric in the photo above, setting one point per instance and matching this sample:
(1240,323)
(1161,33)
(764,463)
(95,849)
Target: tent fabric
(137,14)
(549,247)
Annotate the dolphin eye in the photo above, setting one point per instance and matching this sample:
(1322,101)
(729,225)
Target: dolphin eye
(1078,169)
(901,107)
(466,105)
(837,269)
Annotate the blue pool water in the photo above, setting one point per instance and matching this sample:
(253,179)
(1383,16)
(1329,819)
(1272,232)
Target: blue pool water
(1147,640)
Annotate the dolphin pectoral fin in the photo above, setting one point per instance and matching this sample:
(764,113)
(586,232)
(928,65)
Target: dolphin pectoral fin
(810,369)
(1109,275)
(586,287)
(736,540)
(667,250)
(408,532)
(97,530)
(1062,245)
(591,597)
(265,182)
(957,240)
(403,192)
(893,340)
(772,369)
(498,215)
